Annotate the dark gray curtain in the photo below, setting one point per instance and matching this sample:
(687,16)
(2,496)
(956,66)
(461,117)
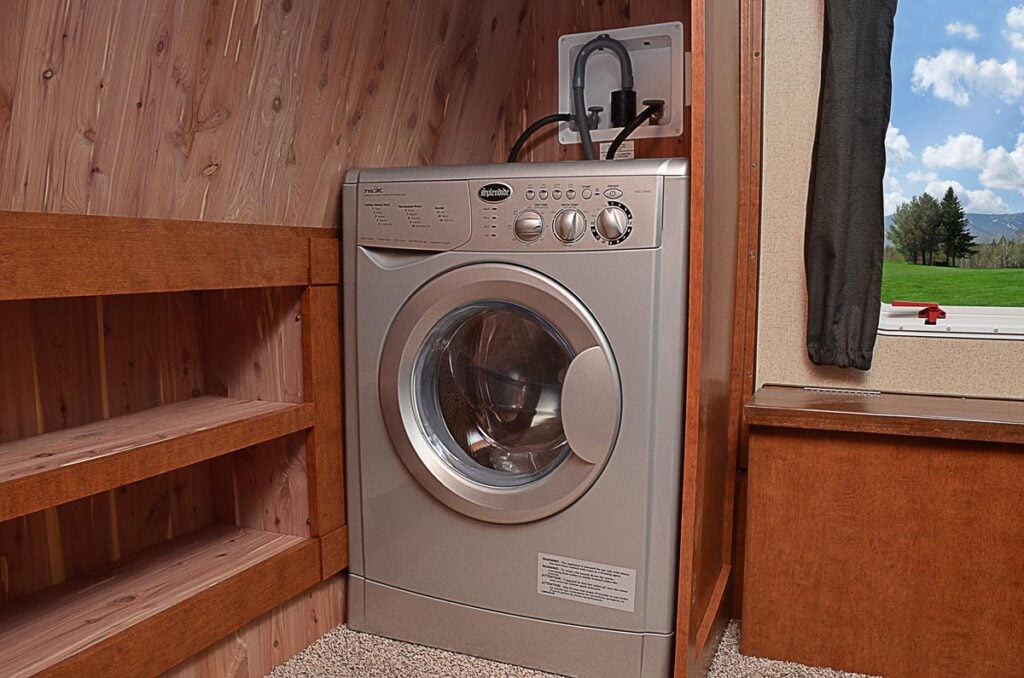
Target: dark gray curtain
(844,240)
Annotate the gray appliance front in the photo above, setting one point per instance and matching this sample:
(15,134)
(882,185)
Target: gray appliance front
(412,541)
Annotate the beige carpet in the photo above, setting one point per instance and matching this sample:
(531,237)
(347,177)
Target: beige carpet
(343,653)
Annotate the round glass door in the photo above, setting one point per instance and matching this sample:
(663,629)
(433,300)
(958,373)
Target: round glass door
(489,385)
(499,393)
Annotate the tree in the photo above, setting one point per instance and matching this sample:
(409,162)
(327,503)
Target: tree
(957,239)
(915,229)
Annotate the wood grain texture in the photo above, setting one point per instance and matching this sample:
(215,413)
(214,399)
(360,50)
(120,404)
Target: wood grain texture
(150,612)
(253,343)
(257,648)
(998,421)
(710,416)
(885,555)
(96,261)
(65,465)
(251,111)
(334,552)
(265,487)
(322,371)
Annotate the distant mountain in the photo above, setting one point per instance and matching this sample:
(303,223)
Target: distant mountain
(988,227)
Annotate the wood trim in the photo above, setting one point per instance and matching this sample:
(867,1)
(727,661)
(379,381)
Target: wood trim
(158,228)
(55,468)
(155,610)
(132,258)
(334,552)
(324,261)
(749,247)
(322,374)
(996,421)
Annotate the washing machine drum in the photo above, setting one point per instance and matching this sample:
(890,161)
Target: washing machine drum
(500,393)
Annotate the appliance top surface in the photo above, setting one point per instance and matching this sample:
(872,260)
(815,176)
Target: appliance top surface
(676,167)
(519,207)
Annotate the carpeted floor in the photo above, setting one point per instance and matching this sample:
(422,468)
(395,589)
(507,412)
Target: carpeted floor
(346,654)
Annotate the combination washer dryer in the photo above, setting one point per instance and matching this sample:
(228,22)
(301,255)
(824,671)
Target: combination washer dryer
(515,356)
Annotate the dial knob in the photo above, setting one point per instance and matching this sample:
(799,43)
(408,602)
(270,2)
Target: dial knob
(612,223)
(570,225)
(529,226)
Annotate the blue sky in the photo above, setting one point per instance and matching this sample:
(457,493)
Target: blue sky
(958,104)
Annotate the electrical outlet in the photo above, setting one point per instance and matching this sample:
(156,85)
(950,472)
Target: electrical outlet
(660,71)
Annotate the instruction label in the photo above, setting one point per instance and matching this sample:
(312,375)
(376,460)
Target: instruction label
(586,582)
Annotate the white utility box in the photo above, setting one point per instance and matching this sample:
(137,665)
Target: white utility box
(660,71)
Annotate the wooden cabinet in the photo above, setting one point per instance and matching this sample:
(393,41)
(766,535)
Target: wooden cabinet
(884,533)
(170,435)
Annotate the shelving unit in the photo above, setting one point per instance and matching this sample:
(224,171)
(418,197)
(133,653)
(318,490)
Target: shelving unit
(170,435)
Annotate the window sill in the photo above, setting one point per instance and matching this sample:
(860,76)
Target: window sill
(961,322)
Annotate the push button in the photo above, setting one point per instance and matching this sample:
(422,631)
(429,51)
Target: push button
(570,194)
(613,193)
(587,193)
(556,194)
(543,195)
(530,194)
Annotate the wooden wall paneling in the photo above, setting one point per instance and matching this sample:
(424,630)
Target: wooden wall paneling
(254,650)
(153,350)
(322,373)
(67,362)
(252,343)
(18,414)
(55,104)
(903,555)
(153,357)
(12,18)
(25,557)
(264,487)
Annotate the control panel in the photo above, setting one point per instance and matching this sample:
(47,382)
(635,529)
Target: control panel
(542,214)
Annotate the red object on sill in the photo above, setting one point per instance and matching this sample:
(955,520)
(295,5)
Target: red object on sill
(930,311)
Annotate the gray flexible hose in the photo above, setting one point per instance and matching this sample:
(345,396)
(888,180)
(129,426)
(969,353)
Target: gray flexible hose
(579,103)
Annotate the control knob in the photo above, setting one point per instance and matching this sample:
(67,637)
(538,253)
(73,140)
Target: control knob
(612,223)
(570,225)
(529,226)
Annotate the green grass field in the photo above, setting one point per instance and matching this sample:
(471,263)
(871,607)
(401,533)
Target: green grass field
(953,286)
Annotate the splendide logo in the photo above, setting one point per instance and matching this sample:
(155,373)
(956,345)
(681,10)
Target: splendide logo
(495,192)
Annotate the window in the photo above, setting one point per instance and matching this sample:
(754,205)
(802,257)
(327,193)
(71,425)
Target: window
(954,179)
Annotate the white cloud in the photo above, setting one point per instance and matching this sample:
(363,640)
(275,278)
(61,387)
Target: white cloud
(985,201)
(921,175)
(982,201)
(969,31)
(1015,22)
(892,192)
(953,75)
(897,147)
(937,188)
(1003,168)
(959,152)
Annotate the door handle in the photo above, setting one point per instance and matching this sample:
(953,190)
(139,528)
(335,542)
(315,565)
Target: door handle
(591,405)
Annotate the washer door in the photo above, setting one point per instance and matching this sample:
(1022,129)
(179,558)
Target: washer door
(500,393)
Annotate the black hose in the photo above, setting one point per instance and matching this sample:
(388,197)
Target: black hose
(652,109)
(579,103)
(546,120)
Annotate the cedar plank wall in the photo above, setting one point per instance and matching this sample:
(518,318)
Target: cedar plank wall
(241,111)
(251,111)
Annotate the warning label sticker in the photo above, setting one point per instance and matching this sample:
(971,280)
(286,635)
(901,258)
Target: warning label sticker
(586,582)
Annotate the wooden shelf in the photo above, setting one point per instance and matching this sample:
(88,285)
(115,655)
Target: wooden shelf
(998,421)
(55,468)
(106,255)
(146,614)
